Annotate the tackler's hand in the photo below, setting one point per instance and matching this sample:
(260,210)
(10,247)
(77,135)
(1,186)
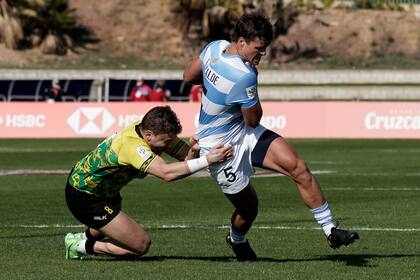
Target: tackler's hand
(219,153)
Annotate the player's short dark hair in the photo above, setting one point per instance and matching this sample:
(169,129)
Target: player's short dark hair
(161,120)
(251,26)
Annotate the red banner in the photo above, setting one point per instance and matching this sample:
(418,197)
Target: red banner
(290,119)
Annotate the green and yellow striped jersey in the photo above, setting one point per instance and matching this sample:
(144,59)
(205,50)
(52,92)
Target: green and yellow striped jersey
(115,162)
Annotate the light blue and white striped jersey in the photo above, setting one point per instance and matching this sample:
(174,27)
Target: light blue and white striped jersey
(229,85)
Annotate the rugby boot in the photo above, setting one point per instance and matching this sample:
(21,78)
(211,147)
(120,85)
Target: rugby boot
(71,241)
(243,251)
(339,237)
(80,235)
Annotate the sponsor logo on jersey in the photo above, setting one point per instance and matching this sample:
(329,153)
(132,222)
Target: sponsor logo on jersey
(143,152)
(251,91)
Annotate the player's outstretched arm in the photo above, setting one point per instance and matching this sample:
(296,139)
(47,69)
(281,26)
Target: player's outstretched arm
(177,170)
(182,150)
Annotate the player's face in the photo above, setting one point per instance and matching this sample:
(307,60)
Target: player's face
(160,141)
(253,51)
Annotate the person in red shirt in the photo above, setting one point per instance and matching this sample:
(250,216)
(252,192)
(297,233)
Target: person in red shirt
(141,91)
(159,94)
(195,93)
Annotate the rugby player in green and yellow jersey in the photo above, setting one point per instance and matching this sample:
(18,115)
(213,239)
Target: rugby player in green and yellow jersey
(94,183)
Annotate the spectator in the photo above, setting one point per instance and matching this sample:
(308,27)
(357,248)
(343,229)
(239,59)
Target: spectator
(141,91)
(159,93)
(195,93)
(55,93)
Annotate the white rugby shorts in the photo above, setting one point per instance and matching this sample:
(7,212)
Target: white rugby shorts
(233,175)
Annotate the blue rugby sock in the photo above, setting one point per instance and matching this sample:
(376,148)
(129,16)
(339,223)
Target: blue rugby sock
(235,236)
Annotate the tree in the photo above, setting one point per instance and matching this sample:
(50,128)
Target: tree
(48,24)
(11,31)
(215,19)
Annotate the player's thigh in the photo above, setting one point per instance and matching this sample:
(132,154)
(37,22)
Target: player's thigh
(95,212)
(244,201)
(127,233)
(281,156)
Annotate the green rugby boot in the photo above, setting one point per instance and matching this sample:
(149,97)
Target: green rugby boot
(71,241)
(80,235)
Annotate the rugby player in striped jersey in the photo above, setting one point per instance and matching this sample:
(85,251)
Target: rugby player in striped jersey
(230,114)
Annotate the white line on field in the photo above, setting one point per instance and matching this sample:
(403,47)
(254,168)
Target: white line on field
(185,226)
(75,149)
(376,151)
(259,173)
(33,172)
(5,172)
(369,189)
(326,162)
(39,150)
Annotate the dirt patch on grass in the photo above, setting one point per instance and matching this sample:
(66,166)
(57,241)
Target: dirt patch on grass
(139,28)
(338,33)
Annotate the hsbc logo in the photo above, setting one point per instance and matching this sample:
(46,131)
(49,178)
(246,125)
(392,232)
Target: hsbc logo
(90,120)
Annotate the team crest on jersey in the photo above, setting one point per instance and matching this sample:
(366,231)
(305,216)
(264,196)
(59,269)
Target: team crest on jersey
(213,60)
(144,154)
(251,91)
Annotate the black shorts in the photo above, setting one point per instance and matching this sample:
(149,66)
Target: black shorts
(92,211)
(261,148)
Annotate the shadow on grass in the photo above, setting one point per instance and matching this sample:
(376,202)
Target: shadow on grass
(361,260)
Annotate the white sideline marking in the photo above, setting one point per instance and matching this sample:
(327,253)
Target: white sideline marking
(184,226)
(325,162)
(52,150)
(259,173)
(285,228)
(33,172)
(43,150)
(394,151)
(369,189)
(273,174)
(5,172)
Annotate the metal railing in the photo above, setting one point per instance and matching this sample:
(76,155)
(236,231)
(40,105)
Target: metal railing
(273,84)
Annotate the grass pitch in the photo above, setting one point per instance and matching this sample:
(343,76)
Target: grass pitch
(372,186)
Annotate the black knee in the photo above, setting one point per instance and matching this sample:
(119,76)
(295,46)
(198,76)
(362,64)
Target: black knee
(90,243)
(249,214)
(91,240)
(90,236)
(252,214)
